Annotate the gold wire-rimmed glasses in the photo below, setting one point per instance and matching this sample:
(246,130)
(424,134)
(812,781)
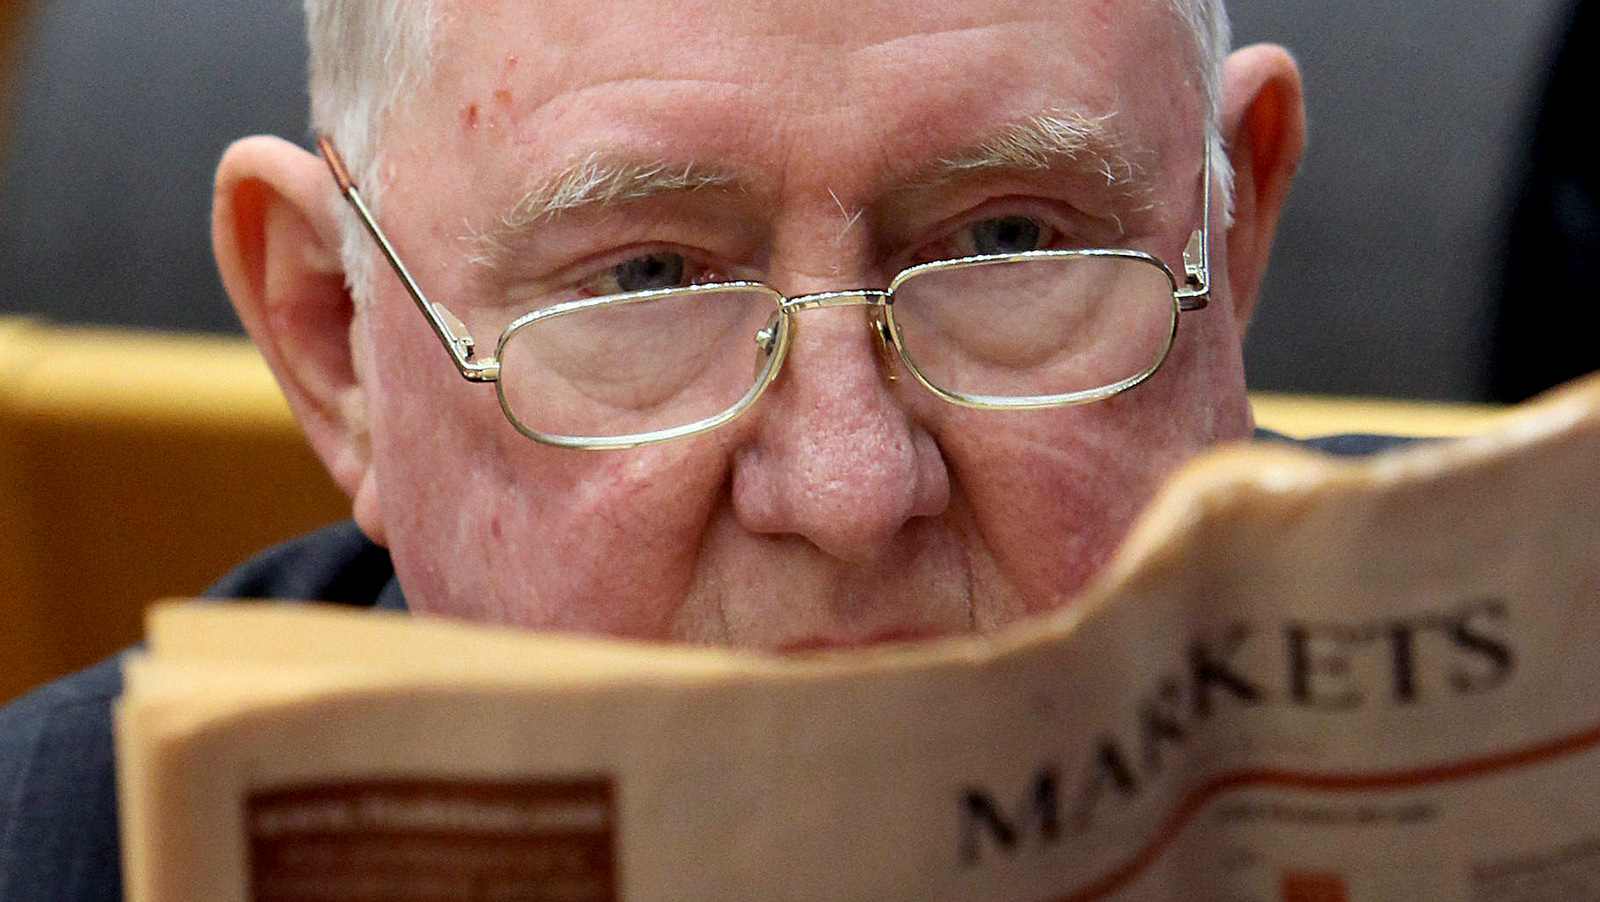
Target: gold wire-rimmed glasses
(1014,331)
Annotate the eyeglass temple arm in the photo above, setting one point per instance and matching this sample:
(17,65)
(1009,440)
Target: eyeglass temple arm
(1196,291)
(450,329)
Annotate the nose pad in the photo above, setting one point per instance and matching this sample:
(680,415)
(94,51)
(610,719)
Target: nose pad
(883,338)
(767,343)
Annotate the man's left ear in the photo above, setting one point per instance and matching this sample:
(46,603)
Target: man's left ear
(1264,129)
(276,238)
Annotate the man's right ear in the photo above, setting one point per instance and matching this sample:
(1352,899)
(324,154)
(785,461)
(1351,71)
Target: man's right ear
(276,235)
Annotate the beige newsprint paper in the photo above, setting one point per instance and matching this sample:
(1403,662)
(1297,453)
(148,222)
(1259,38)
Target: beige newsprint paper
(1301,680)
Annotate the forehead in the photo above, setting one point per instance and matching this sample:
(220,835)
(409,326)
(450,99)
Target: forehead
(668,28)
(712,70)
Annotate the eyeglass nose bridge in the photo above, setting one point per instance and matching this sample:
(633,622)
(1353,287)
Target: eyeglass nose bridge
(860,297)
(878,300)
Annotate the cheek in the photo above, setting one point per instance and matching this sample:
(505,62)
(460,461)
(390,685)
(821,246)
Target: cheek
(1052,498)
(1053,493)
(423,418)
(487,525)
(596,542)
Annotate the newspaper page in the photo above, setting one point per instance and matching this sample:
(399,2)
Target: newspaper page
(1301,680)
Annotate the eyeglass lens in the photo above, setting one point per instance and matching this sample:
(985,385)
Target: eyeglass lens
(1035,327)
(640,365)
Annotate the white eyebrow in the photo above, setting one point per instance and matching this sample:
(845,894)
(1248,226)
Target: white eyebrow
(597,180)
(1042,140)
(1048,140)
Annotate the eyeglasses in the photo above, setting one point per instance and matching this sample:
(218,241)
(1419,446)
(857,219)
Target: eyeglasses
(1033,329)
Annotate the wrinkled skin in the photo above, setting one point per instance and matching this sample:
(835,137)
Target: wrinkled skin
(843,509)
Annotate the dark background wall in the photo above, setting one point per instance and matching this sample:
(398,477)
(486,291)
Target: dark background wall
(1383,282)
(121,110)
(1388,258)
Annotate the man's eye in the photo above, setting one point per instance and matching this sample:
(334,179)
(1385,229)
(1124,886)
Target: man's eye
(662,269)
(1003,235)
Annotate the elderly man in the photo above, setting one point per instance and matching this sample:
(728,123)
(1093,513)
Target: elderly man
(778,325)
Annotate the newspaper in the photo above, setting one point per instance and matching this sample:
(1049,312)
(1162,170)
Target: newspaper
(1301,680)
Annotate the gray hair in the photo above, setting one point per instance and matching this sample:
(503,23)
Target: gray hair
(1213,37)
(367,56)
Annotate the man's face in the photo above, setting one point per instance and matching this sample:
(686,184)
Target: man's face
(844,508)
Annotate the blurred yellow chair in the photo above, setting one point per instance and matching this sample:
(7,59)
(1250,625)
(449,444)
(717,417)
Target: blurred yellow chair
(136,466)
(1304,416)
(133,466)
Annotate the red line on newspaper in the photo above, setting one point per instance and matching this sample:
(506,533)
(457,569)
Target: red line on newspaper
(1286,779)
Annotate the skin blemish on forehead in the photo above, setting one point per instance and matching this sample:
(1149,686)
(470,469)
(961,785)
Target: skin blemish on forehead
(469,117)
(508,69)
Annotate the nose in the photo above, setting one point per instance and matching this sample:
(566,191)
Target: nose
(835,458)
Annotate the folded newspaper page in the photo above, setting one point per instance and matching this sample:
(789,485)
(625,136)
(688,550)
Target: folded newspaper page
(1301,680)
